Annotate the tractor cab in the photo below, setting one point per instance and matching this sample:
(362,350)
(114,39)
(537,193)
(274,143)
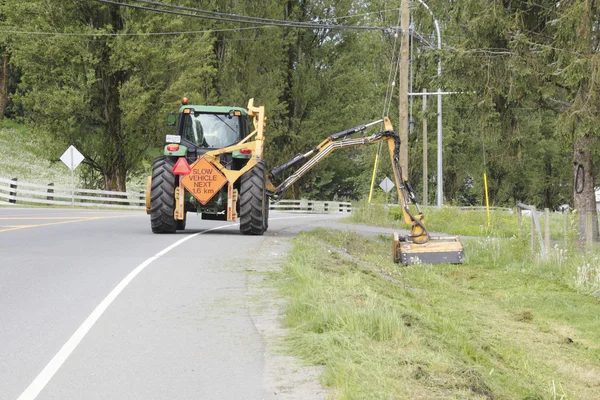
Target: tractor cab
(201,129)
(210,127)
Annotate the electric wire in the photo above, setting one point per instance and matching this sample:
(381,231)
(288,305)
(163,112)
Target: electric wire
(218,13)
(113,34)
(227,17)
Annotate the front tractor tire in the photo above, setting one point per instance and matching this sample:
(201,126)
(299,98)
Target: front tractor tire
(254,201)
(162,195)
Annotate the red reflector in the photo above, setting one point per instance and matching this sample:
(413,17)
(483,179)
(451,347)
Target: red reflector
(245,151)
(181,167)
(173,147)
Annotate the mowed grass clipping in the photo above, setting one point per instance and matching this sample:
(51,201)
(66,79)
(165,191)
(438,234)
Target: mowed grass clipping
(497,327)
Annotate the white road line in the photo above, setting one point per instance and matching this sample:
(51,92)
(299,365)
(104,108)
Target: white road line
(59,359)
(40,382)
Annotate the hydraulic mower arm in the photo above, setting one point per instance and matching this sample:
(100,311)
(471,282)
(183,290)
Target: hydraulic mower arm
(341,140)
(426,250)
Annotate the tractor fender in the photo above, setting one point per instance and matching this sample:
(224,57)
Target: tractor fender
(148,196)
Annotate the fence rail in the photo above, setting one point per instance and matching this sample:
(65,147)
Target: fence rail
(14,192)
(309,206)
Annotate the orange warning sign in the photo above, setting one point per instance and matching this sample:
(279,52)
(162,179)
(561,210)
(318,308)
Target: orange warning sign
(204,180)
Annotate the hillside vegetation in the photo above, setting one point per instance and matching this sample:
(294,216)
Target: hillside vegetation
(25,158)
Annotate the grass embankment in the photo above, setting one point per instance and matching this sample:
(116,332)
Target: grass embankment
(500,326)
(24,157)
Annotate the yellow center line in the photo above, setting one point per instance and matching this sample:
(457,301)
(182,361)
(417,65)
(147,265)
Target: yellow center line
(85,219)
(37,218)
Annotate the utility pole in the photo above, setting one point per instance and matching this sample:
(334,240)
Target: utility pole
(425,172)
(403,95)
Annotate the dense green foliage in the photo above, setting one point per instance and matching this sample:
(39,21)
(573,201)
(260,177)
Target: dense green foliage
(102,79)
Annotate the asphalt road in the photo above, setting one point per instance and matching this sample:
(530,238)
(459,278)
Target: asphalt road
(95,306)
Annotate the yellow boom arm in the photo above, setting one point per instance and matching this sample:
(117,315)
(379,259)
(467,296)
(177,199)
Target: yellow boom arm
(418,232)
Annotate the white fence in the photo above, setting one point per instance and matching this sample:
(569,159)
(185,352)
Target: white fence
(14,192)
(309,206)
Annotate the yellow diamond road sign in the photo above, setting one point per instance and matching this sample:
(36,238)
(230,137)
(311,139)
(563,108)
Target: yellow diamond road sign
(204,180)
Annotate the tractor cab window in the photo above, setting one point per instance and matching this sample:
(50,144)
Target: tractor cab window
(211,130)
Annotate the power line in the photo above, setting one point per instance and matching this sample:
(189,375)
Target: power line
(227,17)
(129,33)
(250,18)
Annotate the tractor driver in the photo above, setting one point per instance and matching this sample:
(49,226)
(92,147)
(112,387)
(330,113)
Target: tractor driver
(220,134)
(215,135)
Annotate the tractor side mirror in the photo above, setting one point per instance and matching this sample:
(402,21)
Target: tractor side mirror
(171,119)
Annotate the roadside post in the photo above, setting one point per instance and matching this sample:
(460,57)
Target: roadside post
(386,185)
(72,158)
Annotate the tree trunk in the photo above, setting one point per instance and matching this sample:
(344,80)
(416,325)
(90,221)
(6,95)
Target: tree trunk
(110,81)
(584,197)
(115,180)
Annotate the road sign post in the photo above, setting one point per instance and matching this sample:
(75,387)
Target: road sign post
(386,185)
(72,158)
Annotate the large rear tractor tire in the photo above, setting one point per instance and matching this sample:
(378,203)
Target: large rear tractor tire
(253,201)
(162,193)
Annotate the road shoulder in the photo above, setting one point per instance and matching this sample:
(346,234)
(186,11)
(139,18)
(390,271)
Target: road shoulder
(284,376)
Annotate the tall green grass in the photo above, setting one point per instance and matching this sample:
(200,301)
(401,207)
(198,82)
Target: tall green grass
(454,221)
(502,325)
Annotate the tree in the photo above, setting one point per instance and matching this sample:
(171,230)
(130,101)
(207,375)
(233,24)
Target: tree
(101,83)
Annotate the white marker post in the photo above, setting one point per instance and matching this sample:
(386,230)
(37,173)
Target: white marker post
(386,185)
(72,158)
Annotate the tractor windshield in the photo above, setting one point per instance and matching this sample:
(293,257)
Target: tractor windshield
(211,130)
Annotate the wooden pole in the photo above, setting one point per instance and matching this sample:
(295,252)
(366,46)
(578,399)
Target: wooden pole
(425,161)
(403,88)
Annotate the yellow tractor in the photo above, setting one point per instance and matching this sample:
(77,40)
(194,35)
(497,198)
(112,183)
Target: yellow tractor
(215,166)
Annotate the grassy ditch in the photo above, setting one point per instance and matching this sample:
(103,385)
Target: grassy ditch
(500,326)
